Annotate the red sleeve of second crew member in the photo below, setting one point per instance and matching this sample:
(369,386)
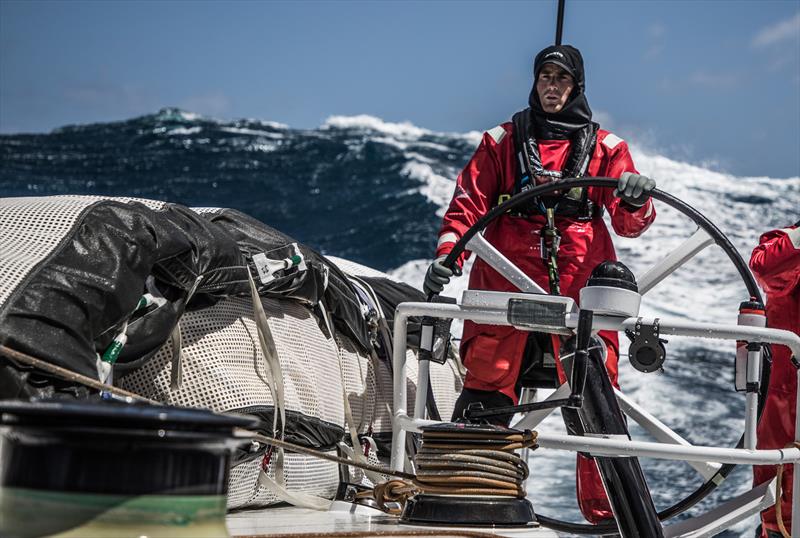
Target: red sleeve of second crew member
(627,220)
(476,192)
(776,261)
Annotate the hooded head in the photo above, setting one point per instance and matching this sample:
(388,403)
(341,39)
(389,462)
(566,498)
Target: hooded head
(576,113)
(567,58)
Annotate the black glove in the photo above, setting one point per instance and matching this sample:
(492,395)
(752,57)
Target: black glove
(437,276)
(634,189)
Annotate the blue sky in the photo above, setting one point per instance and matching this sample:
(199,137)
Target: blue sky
(714,83)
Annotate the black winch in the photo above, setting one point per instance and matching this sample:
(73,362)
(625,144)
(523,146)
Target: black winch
(470,474)
(114,463)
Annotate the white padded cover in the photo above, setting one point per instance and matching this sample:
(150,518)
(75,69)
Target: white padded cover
(32,227)
(224,370)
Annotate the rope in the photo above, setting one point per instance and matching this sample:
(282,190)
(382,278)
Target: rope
(240,432)
(462,463)
(69,375)
(470,469)
(779,496)
(394,491)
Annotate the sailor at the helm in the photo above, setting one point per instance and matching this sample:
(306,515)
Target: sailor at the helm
(554,138)
(776,265)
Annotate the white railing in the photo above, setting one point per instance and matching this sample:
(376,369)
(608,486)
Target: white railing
(492,308)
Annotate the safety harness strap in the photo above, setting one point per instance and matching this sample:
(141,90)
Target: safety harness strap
(574,203)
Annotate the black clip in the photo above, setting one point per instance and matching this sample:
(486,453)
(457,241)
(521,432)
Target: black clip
(647,351)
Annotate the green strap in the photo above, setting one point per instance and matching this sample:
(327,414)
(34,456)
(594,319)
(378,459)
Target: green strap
(552,262)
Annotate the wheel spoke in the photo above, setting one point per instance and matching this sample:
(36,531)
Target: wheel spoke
(486,251)
(662,433)
(672,261)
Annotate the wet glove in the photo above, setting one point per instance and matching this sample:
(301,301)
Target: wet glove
(634,189)
(437,276)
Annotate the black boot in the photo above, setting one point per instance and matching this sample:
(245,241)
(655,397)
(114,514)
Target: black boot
(489,399)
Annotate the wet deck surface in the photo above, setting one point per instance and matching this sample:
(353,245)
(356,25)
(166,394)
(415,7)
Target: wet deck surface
(345,519)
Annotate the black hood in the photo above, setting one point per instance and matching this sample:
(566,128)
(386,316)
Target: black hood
(576,114)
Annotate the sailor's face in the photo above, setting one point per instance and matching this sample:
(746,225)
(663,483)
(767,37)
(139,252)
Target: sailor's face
(554,87)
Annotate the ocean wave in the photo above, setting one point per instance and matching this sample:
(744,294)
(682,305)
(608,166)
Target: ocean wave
(374,191)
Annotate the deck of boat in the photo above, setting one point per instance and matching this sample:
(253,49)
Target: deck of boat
(349,520)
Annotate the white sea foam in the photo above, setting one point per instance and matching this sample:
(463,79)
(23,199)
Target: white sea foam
(189,116)
(364,121)
(251,132)
(183,131)
(435,187)
(402,130)
(270,124)
(262,147)
(389,141)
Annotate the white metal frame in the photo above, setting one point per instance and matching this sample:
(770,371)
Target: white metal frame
(492,308)
(704,459)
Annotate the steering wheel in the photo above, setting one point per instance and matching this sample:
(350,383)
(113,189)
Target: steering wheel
(678,256)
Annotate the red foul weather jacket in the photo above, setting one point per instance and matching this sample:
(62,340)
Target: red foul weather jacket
(492,353)
(776,265)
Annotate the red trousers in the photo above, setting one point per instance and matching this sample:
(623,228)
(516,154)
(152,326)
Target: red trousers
(498,370)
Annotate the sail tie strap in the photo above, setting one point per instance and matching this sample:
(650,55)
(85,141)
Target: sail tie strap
(275,384)
(348,411)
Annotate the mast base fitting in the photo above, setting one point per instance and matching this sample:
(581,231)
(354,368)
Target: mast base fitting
(452,511)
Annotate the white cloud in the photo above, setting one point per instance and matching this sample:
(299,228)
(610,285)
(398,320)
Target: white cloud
(788,29)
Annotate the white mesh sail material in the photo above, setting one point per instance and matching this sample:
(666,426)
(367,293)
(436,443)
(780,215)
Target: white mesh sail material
(224,369)
(445,379)
(32,227)
(370,387)
(447,384)
(358,374)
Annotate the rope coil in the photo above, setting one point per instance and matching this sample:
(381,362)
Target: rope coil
(464,463)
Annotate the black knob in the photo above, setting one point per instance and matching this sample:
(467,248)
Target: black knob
(613,274)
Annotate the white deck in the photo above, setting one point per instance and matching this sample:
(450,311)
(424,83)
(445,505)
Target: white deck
(349,518)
